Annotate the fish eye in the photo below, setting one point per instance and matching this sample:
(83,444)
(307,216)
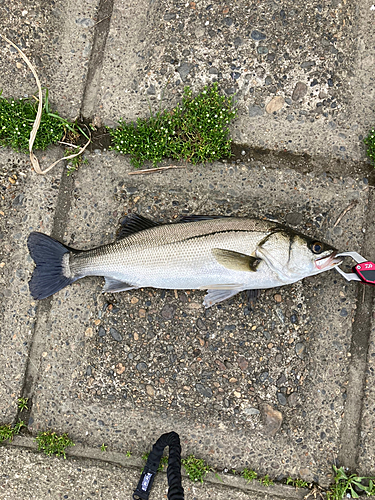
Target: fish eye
(317,247)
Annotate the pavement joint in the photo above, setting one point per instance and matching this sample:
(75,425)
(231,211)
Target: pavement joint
(101,30)
(43,308)
(351,425)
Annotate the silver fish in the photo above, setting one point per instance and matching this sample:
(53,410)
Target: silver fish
(223,255)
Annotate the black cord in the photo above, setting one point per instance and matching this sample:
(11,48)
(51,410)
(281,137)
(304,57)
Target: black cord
(175,490)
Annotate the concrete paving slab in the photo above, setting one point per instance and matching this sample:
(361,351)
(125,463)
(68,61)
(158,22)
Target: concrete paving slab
(300,73)
(58,38)
(123,368)
(124,62)
(27,203)
(89,479)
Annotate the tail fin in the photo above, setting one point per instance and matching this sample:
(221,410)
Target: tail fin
(52,270)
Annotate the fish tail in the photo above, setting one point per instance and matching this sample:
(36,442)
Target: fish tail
(52,272)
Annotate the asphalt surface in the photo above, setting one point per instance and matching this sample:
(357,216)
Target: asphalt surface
(283,384)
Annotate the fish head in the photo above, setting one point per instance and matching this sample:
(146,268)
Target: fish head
(294,256)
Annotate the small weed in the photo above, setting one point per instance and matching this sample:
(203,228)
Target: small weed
(52,444)
(266,480)
(344,485)
(73,163)
(103,447)
(18,426)
(196,131)
(249,475)
(196,468)
(298,483)
(7,432)
(128,453)
(22,404)
(163,460)
(370,143)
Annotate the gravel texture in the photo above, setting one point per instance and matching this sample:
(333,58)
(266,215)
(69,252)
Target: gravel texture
(263,383)
(368,423)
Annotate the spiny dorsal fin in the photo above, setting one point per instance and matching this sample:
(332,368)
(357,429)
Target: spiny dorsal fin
(235,261)
(133,223)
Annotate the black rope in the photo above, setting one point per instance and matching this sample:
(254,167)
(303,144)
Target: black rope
(175,490)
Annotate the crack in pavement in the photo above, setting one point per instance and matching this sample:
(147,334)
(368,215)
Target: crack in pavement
(96,59)
(351,425)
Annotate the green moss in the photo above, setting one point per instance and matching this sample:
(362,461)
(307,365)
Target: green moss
(7,432)
(298,483)
(266,480)
(249,475)
(196,131)
(17,117)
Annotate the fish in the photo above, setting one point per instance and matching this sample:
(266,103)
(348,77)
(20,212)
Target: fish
(223,255)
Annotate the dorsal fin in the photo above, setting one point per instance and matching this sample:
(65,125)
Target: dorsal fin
(196,218)
(133,223)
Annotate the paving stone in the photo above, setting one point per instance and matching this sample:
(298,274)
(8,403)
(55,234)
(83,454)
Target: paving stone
(90,385)
(150,52)
(176,353)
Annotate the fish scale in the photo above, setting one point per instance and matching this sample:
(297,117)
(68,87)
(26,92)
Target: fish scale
(177,256)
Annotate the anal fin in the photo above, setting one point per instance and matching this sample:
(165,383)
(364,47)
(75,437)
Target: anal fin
(216,296)
(112,285)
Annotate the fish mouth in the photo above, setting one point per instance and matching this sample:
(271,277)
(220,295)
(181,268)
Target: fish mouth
(328,262)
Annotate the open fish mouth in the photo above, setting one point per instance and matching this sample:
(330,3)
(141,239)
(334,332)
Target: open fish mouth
(330,261)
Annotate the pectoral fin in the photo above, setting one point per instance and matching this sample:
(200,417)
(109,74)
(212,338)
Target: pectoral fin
(235,261)
(216,296)
(113,285)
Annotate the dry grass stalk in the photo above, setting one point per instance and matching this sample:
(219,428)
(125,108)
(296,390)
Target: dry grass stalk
(34,160)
